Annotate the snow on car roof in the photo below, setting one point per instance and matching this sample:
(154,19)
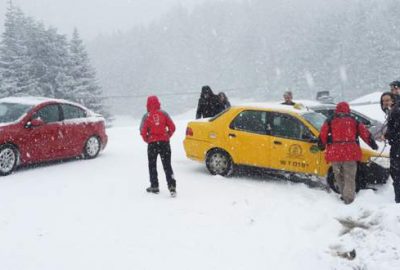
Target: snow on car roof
(300,108)
(374,97)
(29,100)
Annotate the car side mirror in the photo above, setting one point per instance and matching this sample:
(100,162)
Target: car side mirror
(34,123)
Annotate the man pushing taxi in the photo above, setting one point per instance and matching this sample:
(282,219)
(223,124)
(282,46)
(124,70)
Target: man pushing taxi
(339,135)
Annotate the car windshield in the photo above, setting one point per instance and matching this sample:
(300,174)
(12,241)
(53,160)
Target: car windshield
(315,119)
(11,112)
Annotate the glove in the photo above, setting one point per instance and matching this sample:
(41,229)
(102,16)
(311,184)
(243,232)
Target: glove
(320,145)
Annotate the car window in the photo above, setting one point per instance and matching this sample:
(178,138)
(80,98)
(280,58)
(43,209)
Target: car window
(250,121)
(287,126)
(328,113)
(48,114)
(72,112)
(315,119)
(361,119)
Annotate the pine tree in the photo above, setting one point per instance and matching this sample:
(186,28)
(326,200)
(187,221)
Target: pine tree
(85,89)
(33,60)
(15,61)
(52,53)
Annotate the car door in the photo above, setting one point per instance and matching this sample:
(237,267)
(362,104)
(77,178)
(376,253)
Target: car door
(247,139)
(74,129)
(45,139)
(293,147)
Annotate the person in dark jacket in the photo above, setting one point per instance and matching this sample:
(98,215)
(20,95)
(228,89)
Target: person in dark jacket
(156,129)
(209,104)
(393,136)
(223,99)
(388,100)
(395,90)
(340,137)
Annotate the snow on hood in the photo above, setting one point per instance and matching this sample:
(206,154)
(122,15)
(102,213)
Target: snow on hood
(13,123)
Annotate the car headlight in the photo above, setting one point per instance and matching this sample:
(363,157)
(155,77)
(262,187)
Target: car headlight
(382,161)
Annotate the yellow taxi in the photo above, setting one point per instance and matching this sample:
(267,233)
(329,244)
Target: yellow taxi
(271,136)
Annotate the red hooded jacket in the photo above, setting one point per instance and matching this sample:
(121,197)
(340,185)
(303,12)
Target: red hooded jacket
(340,135)
(156,124)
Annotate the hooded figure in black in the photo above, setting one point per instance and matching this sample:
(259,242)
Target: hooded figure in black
(393,136)
(395,90)
(223,99)
(209,104)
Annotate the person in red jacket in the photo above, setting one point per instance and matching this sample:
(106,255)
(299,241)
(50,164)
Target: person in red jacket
(340,137)
(156,130)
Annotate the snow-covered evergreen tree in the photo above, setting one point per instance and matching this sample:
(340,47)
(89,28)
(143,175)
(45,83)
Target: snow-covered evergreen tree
(15,60)
(84,87)
(33,60)
(52,53)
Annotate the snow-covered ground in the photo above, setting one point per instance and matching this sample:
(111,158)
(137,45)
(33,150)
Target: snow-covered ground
(95,214)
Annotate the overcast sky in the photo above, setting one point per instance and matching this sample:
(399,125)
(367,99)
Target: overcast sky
(93,17)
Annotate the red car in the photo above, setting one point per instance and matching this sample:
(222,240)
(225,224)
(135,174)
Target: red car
(35,129)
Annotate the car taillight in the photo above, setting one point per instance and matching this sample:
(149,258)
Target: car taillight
(189,131)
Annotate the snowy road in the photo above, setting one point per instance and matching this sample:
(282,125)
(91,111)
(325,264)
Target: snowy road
(95,214)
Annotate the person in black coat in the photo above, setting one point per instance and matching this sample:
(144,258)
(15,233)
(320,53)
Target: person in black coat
(223,99)
(395,90)
(209,104)
(388,100)
(393,136)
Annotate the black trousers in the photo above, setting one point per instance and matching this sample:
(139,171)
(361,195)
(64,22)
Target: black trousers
(164,150)
(395,169)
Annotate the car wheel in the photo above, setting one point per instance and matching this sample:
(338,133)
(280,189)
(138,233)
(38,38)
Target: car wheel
(92,147)
(219,162)
(8,159)
(332,181)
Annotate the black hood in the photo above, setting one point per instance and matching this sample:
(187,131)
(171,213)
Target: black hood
(206,90)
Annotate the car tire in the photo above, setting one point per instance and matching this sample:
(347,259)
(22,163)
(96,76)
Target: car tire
(332,181)
(219,162)
(92,147)
(334,185)
(8,159)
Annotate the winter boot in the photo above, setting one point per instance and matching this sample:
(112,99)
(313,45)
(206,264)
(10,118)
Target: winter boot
(172,190)
(155,190)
